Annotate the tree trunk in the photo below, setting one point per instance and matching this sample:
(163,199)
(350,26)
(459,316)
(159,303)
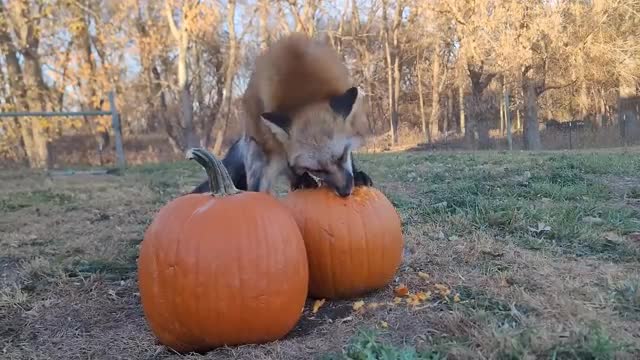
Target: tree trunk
(502,117)
(434,117)
(190,136)
(448,119)
(182,38)
(390,82)
(479,121)
(462,127)
(423,117)
(531,132)
(37,102)
(396,65)
(229,74)
(396,96)
(601,109)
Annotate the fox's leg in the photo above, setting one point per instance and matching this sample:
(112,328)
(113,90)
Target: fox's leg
(255,161)
(360,178)
(262,171)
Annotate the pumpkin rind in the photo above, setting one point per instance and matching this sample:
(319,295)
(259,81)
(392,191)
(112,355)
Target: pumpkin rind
(223,270)
(354,244)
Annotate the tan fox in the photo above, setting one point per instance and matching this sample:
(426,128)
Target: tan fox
(303,120)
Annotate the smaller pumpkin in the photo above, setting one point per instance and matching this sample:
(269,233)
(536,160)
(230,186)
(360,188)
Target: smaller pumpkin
(225,268)
(354,244)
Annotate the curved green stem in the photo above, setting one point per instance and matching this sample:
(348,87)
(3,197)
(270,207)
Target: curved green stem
(220,182)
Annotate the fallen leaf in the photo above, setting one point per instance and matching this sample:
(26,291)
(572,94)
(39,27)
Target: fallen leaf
(443,289)
(424,296)
(384,324)
(423,275)
(358,305)
(401,290)
(373,306)
(397,300)
(317,304)
(456,298)
(413,300)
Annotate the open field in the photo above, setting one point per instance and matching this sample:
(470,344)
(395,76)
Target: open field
(524,256)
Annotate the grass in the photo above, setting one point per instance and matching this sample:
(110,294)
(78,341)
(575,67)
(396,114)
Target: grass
(366,345)
(522,255)
(511,195)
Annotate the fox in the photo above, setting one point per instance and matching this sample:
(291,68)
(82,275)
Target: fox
(303,118)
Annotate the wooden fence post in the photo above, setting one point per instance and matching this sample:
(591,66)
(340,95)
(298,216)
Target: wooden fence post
(117,129)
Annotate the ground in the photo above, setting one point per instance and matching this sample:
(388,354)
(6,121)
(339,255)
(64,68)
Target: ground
(517,256)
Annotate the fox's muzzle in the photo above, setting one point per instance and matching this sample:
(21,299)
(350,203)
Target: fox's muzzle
(344,185)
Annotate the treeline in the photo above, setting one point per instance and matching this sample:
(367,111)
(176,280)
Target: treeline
(439,68)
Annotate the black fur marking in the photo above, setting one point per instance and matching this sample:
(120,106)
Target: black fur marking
(281,120)
(360,178)
(343,104)
(304,181)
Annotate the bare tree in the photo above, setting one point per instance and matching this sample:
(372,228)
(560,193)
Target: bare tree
(181,37)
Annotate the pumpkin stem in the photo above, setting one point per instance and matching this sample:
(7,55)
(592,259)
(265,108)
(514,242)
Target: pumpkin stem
(220,182)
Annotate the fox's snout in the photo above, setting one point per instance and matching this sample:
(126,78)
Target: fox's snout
(341,182)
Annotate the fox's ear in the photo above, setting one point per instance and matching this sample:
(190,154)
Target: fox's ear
(278,123)
(345,104)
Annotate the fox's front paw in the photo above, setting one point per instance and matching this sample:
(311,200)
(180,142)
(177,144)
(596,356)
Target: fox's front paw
(360,178)
(304,181)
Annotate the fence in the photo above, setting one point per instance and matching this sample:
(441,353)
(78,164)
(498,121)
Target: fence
(115,123)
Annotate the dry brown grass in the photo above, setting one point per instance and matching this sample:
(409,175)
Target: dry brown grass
(68,287)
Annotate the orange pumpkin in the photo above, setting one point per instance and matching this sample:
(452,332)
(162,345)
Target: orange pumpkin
(227,268)
(354,244)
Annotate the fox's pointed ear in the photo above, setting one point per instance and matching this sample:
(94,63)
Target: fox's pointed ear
(278,123)
(346,103)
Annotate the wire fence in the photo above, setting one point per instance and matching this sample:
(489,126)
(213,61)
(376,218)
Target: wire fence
(619,130)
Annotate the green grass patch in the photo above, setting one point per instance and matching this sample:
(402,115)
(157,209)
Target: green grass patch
(634,193)
(625,297)
(115,270)
(367,346)
(538,201)
(24,199)
(477,304)
(592,344)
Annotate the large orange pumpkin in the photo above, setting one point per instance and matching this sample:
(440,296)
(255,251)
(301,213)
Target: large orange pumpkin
(227,268)
(354,244)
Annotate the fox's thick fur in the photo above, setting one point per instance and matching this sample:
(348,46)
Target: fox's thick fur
(303,117)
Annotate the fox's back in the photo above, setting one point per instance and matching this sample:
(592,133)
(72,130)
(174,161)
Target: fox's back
(294,72)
